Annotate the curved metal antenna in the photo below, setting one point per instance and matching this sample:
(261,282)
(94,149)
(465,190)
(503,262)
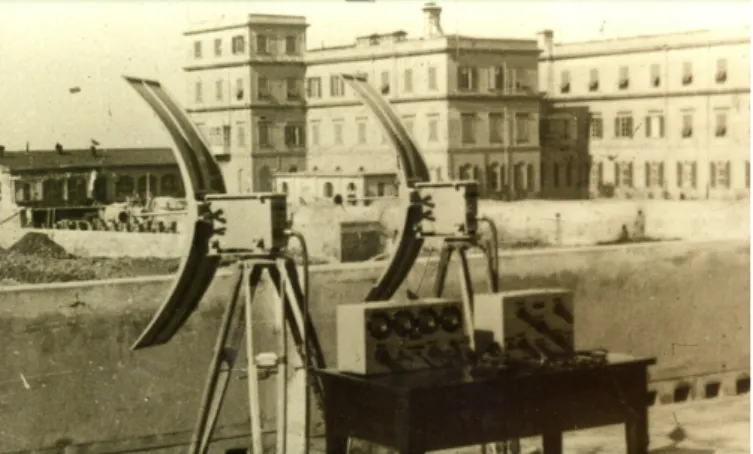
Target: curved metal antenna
(201,176)
(414,170)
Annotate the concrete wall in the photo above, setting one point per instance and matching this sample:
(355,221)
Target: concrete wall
(68,376)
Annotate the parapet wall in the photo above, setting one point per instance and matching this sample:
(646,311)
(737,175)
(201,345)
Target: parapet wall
(69,378)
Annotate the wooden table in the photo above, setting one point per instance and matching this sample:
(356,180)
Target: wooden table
(442,409)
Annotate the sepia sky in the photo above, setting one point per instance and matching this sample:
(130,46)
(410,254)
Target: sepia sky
(48,47)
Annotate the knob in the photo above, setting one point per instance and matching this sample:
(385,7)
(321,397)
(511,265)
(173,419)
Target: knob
(451,319)
(379,326)
(404,323)
(427,321)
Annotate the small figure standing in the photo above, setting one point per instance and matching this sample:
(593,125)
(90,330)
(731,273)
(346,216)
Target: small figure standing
(640,226)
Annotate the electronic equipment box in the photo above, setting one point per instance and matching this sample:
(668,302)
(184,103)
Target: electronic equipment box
(532,324)
(451,208)
(248,223)
(390,337)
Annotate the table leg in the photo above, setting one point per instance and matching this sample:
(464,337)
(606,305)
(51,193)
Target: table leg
(552,442)
(636,433)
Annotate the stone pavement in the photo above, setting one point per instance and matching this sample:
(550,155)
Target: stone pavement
(714,426)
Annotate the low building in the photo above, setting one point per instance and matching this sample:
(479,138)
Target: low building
(77,177)
(305,187)
(566,171)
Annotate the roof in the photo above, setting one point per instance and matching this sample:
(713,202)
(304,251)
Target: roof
(82,158)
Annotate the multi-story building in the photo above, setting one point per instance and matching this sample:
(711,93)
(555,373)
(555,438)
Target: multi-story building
(245,93)
(669,114)
(471,105)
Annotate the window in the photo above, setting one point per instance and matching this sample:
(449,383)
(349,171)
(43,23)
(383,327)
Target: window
(226,138)
(217,47)
(264,134)
(468,128)
(524,80)
(569,174)
(262,44)
(408,81)
(294,135)
(623,174)
(239,89)
(561,129)
(314,87)
(720,174)
(522,128)
(497,78)
(687,125)
(556,175)
(291,45)
(721,124)
(241,131)
(338,132)
(655,75)
(467,78)
(623,126)
(315,133)
(654,174)
(238,45)
(597,173)
(432,76)
(721,70)
(336,86)
(197,49)
(593,80)
(328,189)
(597,127)
(291,83)
(433,128)
(530,178)
(565,82)
(496,127)
(199,97)
(218,87)
(654,126)
(542,174)
(385,87)
(624,80)
(362,131)
(687,73)
(263,88)
(686,174)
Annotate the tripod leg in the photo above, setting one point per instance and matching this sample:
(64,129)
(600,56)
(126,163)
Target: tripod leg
(211,399)
(298,410)
(253,376)
(466,289)
(442,266)
(281,334)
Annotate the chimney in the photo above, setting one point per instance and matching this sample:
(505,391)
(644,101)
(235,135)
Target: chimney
(432,21)
(545,39)
(59,148)
(93,149)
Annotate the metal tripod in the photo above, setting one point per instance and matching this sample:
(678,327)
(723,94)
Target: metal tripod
(290,319)
(460,247)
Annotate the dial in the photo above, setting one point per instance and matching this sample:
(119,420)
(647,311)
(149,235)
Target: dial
(428,321)
(405,323)
(451,319)
(379,326)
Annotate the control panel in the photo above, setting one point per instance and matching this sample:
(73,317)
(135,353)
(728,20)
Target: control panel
(529,325)
(248,223)
(450,208)
(390,337)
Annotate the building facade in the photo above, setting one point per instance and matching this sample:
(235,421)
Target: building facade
(470,104)
(245,93)
(49,178)
(669,114)
(354,188)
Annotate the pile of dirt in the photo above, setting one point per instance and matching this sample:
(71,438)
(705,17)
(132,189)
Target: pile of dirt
(40,245)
